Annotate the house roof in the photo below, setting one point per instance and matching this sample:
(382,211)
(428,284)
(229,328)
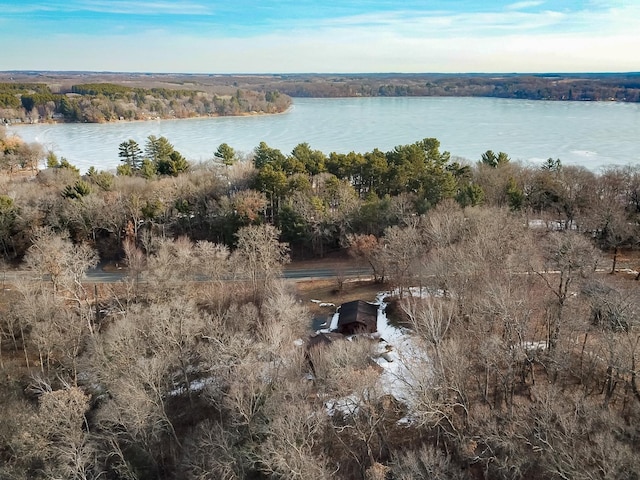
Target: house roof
(358,314)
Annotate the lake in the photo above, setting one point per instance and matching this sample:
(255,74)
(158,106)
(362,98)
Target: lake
(592,134)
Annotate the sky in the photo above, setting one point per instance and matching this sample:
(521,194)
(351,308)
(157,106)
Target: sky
(320,36)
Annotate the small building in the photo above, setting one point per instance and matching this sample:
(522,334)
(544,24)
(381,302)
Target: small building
(357,317)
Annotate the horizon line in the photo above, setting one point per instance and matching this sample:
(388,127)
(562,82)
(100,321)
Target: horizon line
(123,72)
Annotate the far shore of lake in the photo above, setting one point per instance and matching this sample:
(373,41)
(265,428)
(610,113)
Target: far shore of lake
(53,121)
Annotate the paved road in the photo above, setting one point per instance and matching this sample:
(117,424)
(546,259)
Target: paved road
(325,272)
(292,271)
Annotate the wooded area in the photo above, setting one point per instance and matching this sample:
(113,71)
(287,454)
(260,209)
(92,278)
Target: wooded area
(624,87)
(106,102)
(527,343)
(104,96)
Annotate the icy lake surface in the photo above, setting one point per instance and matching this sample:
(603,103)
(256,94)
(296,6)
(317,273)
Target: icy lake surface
(592,134)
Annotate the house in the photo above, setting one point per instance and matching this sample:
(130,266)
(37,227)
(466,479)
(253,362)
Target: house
(357,317)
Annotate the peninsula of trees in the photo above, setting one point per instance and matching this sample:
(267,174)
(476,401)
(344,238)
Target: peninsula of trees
(105,102)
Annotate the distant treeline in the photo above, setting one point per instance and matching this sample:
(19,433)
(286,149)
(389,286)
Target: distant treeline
(590,87)
(104,102)
(64,98)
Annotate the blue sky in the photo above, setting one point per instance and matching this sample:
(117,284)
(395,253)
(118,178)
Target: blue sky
(268,36)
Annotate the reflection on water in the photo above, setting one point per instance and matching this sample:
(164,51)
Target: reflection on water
(583,133)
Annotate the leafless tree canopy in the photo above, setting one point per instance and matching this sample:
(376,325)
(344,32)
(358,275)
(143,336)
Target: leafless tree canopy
(515,287)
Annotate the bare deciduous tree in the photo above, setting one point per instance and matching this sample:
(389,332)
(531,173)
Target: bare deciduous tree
(568,257)
(55,256)
(292,448)
(366,249)
(260,255)
(285,318)
(211,453)
(145,359)
(212,263)
(57,436)
(400,251)
(444,225)
(425,463)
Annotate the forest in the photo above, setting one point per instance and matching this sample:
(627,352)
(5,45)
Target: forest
(104,96)
(201,362)
(567,87)
(106,102)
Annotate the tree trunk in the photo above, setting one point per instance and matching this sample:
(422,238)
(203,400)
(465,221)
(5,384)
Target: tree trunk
(610,386)
(584,344)
(634,378)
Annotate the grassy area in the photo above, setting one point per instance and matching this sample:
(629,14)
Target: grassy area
(327,291)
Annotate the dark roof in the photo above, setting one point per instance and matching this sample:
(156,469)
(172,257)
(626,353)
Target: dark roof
(357,316)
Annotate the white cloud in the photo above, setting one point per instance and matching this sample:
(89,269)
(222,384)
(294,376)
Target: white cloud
(20,8)
(141,7)
(524,5)
(437,24)
(423,23)
(137,7)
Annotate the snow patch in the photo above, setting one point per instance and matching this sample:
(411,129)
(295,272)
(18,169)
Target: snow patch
(194,386)
(334,322)
(323,304)
(400,355)
(346,406)
(320,303)
(539,345)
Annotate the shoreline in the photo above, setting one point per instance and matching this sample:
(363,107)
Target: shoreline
(157,119)
(258,114)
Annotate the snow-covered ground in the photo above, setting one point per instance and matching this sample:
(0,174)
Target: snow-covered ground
(403,360)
